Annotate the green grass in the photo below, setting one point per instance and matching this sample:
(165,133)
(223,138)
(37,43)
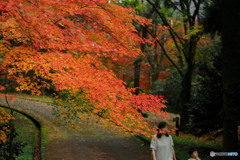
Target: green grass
(43,139)
(26,133)
(196,143)
(183,144)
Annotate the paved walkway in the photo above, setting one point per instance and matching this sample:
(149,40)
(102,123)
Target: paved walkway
(92,142)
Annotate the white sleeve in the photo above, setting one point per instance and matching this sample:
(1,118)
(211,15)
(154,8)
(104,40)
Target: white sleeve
(171,140)
(153,144)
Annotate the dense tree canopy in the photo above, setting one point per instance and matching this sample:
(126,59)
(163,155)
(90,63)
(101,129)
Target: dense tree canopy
(63,43)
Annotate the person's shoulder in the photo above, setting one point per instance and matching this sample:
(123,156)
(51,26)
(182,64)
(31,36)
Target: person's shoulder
(154,136)
(170,136)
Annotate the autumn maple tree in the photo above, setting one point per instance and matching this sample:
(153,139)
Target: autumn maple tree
(63,43)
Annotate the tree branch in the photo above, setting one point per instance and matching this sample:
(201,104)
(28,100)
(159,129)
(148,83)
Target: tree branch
(171,31)
(165,53)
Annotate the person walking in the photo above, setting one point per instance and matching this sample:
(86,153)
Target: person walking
(162,144)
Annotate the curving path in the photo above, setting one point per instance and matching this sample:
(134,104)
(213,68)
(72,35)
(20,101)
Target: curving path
(91,142)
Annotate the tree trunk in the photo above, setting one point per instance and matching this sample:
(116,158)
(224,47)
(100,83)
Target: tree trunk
(156,65)
(137,73)
(154,75)
(231,73)
(185,96)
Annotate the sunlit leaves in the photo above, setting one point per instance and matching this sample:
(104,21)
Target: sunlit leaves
(62,44)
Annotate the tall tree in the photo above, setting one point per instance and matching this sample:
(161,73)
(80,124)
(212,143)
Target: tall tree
(225,25)
(138,61)
(186,44)
(231,76)
(151,51)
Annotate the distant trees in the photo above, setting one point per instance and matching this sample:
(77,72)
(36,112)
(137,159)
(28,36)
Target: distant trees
(185,43)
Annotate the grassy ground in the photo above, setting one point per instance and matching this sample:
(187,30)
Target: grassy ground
(25,130)
(183,144)
(44,99)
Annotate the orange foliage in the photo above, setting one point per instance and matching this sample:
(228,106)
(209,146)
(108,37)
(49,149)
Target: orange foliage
(4,118)
(65,42)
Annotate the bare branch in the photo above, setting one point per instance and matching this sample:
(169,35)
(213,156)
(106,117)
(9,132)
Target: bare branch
(171,31)
(165,53)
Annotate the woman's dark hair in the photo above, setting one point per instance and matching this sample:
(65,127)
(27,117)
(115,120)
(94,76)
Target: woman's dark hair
(161,125)
(191,150)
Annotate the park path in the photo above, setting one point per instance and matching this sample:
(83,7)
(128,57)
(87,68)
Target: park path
(91,142)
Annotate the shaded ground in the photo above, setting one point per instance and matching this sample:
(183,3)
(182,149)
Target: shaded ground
(92,142)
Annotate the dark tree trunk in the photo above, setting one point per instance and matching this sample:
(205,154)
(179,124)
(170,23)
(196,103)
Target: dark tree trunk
(231,73)
(138,61)
(154,74)
(185,96)
(137,73)
(155,62)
